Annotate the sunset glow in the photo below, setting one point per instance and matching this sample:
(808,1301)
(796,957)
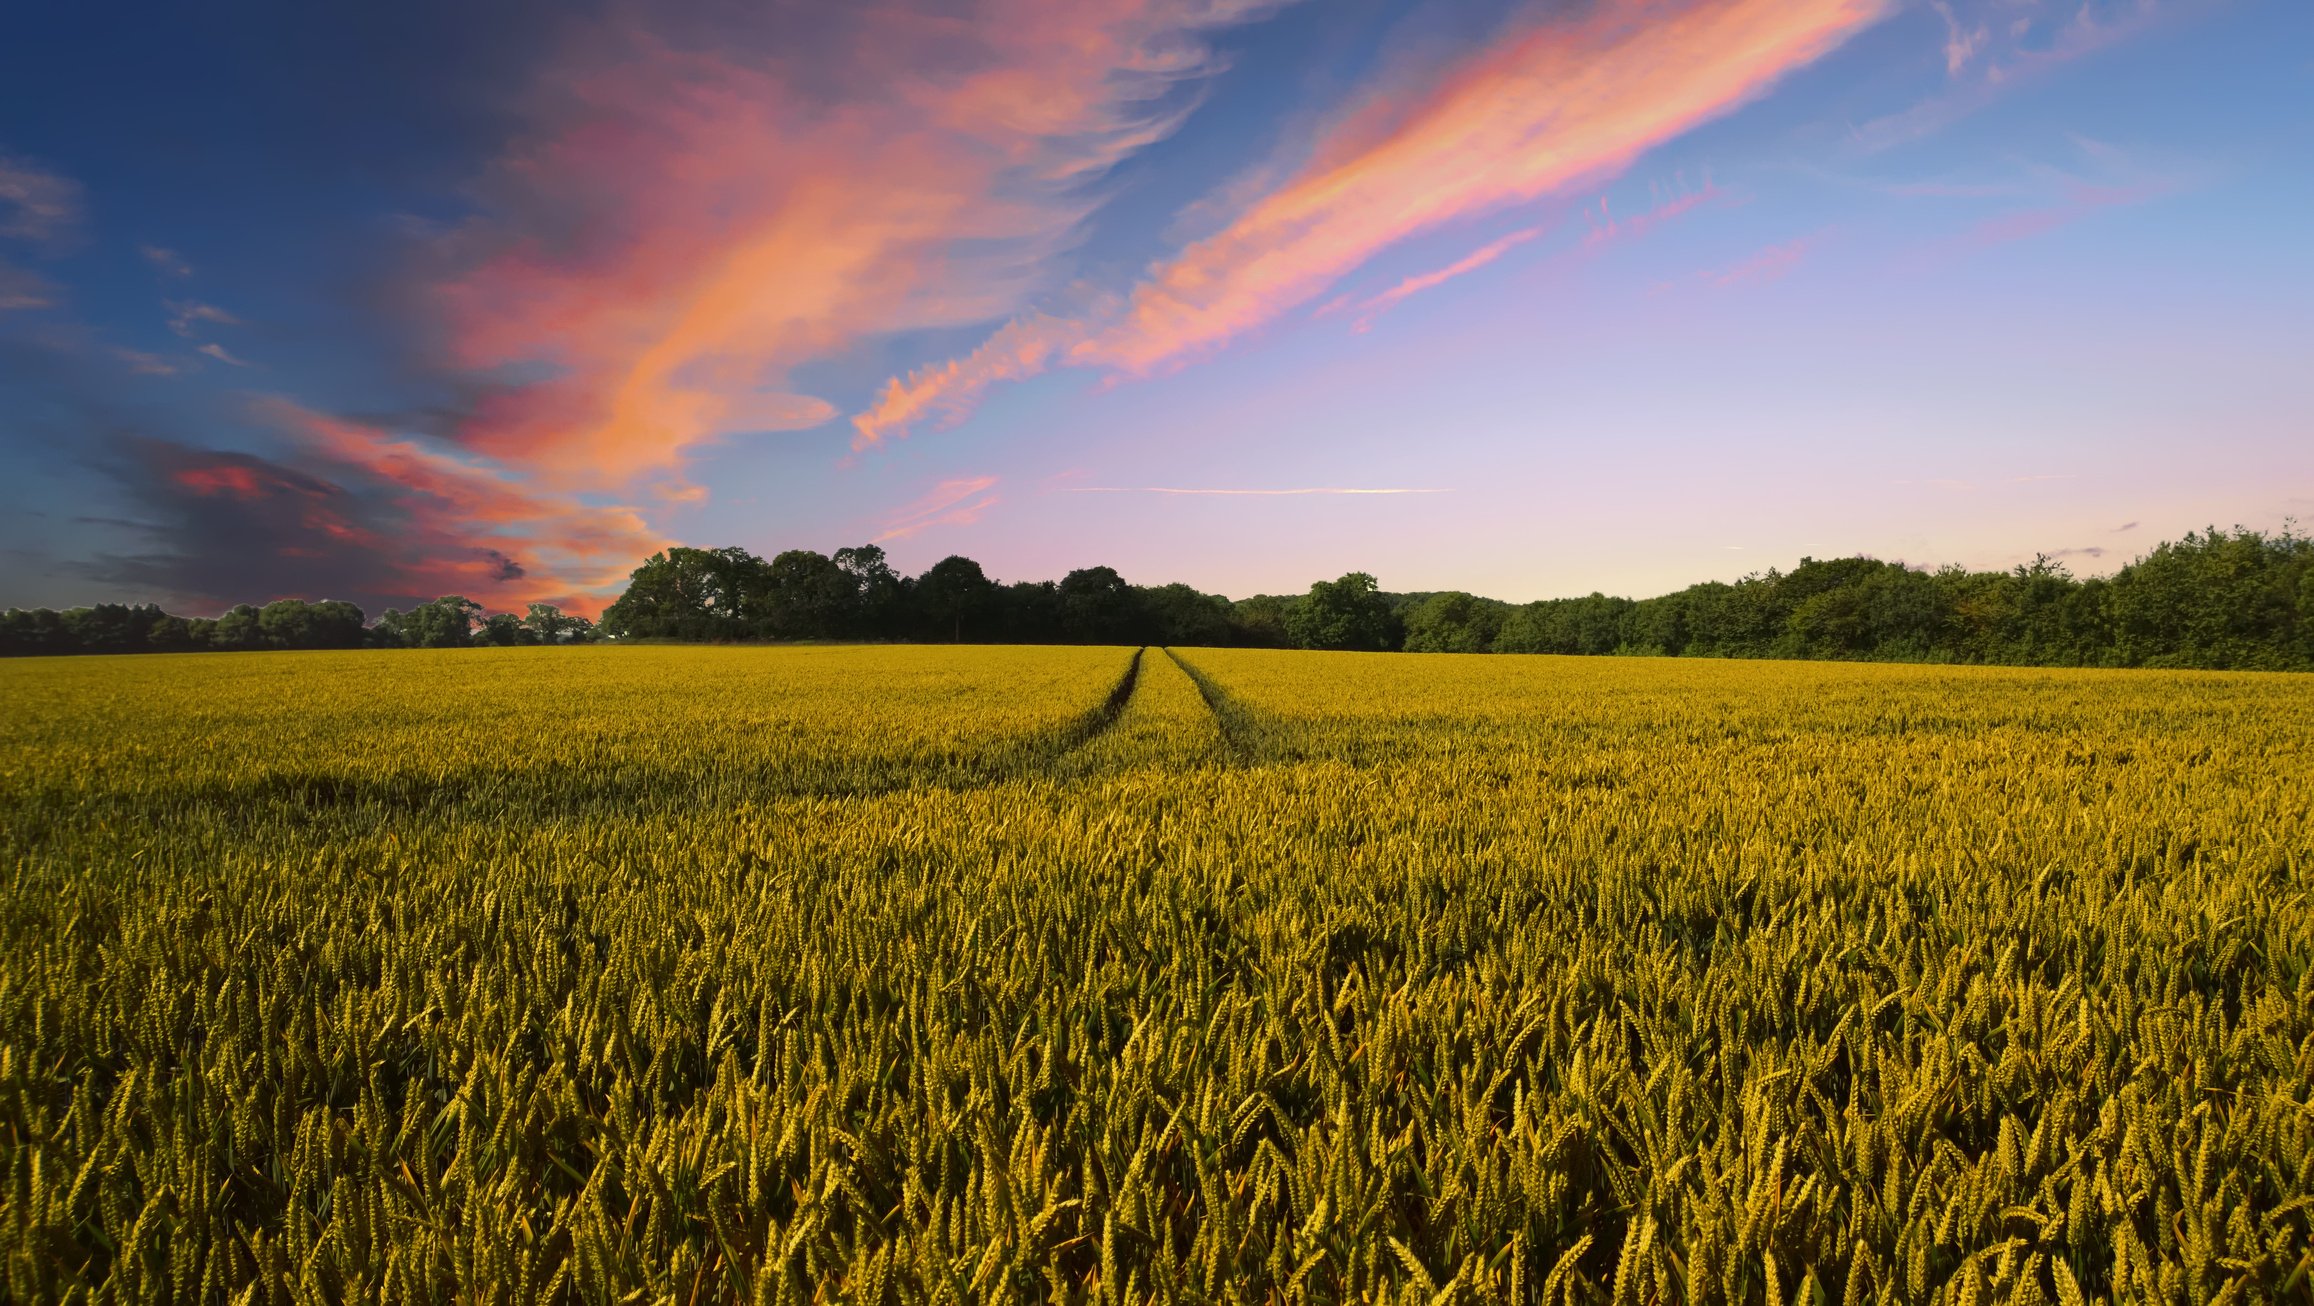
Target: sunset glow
(1236,292)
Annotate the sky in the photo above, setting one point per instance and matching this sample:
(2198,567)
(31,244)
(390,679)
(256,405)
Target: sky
(1521,297)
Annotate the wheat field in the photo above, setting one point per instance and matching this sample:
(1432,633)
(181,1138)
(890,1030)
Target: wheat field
(1112,975)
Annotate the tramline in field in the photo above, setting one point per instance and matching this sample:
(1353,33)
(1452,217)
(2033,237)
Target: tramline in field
(990,974)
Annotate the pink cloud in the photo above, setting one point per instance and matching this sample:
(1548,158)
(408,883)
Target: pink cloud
(951,503)
(945,393)
(1415,285)
(2078,201)
(1765,265)
(1557,102)
(682,229)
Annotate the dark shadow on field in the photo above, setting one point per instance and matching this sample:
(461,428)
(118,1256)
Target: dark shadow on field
(1098,721)
(1245,736)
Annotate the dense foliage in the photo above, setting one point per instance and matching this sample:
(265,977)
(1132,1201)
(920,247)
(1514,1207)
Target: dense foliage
(450,622)
(2239,599)
(1080,974)
(2217,599)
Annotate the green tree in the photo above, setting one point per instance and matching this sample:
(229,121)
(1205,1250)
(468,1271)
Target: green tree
(1349,613)
(552,625)
(1179,615)
(1453,622)
(2218,599)
(504,630)
(954,594)
(237,629)
(684,594)
(880,608)
(1261,620)
(810,596)
(1098,607)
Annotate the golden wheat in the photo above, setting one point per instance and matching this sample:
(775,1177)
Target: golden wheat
(1080,974)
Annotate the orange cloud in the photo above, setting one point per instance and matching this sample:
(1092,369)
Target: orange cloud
(1555,103)
(1021,348)
(1415,285)
(685,229)
(237,480)
(951,503)
(1553,106)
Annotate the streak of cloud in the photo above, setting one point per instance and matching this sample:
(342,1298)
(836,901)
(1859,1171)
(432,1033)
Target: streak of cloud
(144,364)
(1547,107)
(737,220)
(1990,46)
(36,205)
(186,316)
(944,394)
(1375,307)
(1765,265)
(166,261)
(1554,103)
(22,290)
(951,503)
(1606,228)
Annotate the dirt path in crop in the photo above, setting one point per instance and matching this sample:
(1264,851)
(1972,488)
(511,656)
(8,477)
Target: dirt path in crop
(1239,736)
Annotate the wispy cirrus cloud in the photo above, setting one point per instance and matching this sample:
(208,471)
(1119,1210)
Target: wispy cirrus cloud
(167,262)
(1606,228)
(36,205)
(2074,202)
(1764,265)
(1989,46)
(1554,102)
(743,210)
(1369,309)
(2097,177)
(1543,108)
(688,215)
(143,364)
(22,289)
(951,503)
(944,393)
(188,316)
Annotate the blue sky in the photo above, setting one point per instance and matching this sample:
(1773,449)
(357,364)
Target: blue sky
(1526,299)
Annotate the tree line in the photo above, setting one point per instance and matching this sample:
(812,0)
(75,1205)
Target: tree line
(450,622)
(2218,599)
